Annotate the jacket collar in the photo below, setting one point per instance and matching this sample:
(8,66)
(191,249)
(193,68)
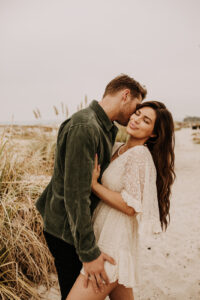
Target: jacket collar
(108,124)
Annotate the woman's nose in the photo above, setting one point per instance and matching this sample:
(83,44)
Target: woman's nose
(137,119)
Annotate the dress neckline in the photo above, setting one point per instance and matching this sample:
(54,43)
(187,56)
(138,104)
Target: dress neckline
(117,149)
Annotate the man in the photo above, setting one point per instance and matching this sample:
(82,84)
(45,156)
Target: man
(67,203)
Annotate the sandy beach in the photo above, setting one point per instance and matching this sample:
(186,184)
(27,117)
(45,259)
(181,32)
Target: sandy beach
(172,270)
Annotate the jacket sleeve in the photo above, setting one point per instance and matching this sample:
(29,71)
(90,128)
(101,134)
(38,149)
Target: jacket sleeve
(79,162)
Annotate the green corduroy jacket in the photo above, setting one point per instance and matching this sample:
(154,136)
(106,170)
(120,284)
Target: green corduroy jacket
(67,203)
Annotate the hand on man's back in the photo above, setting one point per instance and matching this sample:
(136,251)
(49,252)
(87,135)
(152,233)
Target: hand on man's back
(95,272)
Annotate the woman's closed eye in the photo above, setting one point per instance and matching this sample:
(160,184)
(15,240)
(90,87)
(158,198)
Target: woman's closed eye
(146,121)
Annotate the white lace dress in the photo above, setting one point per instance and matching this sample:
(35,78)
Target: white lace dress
(132,174)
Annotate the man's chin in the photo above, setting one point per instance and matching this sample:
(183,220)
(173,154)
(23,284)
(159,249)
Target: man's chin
(122,122)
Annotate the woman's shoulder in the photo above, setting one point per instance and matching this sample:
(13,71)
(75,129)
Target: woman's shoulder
(140,153)
(139,150)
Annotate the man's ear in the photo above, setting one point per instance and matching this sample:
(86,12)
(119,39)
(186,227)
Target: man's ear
(125,94)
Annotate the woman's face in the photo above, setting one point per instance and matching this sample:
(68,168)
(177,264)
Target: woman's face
(141,123)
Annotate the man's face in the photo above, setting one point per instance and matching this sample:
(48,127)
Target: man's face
(128,108)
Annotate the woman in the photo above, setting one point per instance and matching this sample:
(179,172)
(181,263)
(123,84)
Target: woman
(135,204)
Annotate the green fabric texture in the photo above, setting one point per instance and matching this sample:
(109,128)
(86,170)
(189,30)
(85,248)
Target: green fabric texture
(67,202)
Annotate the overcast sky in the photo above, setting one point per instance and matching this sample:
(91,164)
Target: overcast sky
(54,51)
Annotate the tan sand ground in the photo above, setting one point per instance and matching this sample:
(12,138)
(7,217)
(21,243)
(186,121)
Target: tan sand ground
(173,271)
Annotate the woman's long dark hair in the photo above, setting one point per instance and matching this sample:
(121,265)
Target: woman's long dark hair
(162,149)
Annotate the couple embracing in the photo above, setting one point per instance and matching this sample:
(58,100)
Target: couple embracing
(105,196)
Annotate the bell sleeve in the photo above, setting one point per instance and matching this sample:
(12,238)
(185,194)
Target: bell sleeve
(133,180)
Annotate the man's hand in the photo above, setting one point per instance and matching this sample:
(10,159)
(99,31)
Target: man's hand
(95,270)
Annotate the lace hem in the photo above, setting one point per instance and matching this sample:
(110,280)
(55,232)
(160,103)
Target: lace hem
(149,232)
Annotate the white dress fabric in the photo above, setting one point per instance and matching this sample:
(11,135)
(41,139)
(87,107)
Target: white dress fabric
(132,174)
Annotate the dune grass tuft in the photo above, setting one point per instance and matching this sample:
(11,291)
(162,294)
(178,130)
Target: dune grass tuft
(24,258)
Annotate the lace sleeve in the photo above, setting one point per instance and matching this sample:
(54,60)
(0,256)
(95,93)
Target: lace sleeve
(134,177)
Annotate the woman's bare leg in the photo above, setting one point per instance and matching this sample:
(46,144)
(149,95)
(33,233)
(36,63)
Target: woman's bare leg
(121,293)
(79,292)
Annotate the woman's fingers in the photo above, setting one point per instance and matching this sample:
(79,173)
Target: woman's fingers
(96,162)
(86,278)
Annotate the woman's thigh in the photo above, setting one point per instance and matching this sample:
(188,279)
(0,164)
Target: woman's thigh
(79,292)
(121,293)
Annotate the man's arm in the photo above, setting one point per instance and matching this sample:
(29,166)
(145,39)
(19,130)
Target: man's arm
(79,162)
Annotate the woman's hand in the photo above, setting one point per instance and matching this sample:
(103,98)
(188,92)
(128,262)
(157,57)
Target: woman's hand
(95,173)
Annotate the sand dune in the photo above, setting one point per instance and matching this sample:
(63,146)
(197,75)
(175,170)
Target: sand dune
(172,270)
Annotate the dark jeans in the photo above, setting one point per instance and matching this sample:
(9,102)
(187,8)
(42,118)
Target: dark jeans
(67,263)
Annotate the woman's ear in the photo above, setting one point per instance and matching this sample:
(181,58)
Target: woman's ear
(153,135)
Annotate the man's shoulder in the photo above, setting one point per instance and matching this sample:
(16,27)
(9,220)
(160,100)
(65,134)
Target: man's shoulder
(85,117)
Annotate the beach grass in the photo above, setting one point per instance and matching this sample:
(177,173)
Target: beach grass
(24,258)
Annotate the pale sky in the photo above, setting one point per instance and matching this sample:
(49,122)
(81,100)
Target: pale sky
(54,51)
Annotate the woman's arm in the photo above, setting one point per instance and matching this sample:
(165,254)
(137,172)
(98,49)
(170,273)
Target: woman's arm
(114,199)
